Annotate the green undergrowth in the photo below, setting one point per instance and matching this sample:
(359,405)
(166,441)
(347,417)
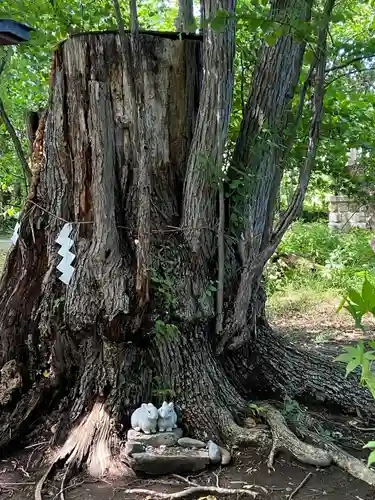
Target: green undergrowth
(326,263)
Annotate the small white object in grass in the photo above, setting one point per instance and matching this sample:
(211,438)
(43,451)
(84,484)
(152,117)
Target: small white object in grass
(136,242)
(16,233)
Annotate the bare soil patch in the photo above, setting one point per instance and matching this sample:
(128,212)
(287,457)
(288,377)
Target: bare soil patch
(320,324)
(18,476)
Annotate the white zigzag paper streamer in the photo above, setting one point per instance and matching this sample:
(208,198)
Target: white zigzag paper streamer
(66,243)
(16,233)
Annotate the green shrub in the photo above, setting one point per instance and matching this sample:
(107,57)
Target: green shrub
(312,240)
(337,259)
(359,303)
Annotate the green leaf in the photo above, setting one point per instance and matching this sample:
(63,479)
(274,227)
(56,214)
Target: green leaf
(235,183)
(368,295)
(371,458)
(192,27)
(271,39)
(218,23)
(369,382)
(355,297)
(253,23)
(351,353)
(353,357)
(351,366)
(309,56)
(356,314)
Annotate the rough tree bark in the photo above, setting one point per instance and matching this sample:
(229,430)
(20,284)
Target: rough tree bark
(185,21)
(94,345)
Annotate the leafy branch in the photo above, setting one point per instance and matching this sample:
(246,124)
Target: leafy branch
(13,134)
(314,133)
(349,62)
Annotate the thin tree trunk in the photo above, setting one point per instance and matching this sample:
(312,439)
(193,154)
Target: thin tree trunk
(185,21)
(260,146)
(204,169)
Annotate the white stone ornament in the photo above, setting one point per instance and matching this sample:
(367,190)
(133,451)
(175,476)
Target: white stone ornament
(66,243)
(16,233)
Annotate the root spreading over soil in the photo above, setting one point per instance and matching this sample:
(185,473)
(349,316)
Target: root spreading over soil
(93,442)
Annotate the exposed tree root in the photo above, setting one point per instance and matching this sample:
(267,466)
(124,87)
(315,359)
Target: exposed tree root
(254,436)
(195,489)
(192,491)
(323,454)
(91,439)
(63,483)
(42,480)
(284,439)
(341,458)
(300,486)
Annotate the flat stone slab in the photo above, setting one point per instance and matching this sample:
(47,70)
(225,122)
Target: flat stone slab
(156,440)
(173,461)
(134,447)
(187,442)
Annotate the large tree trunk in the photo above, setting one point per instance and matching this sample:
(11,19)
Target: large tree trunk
(95,339)
(91,339)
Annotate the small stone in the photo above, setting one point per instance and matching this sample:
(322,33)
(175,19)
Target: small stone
(214,452)
(134,447)
(225,456)
(187,442)
(156,440)
(157,464)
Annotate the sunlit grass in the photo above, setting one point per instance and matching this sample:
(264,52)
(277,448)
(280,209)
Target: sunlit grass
(303,299)
(295,299)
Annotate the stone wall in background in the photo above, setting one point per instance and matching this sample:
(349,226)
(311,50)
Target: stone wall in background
(345,213)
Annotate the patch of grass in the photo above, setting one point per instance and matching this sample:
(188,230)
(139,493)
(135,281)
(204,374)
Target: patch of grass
(328,247)
(339,260)
(298,299)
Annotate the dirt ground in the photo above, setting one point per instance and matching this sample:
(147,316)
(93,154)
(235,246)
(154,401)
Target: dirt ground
(319,324)
(18,478)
